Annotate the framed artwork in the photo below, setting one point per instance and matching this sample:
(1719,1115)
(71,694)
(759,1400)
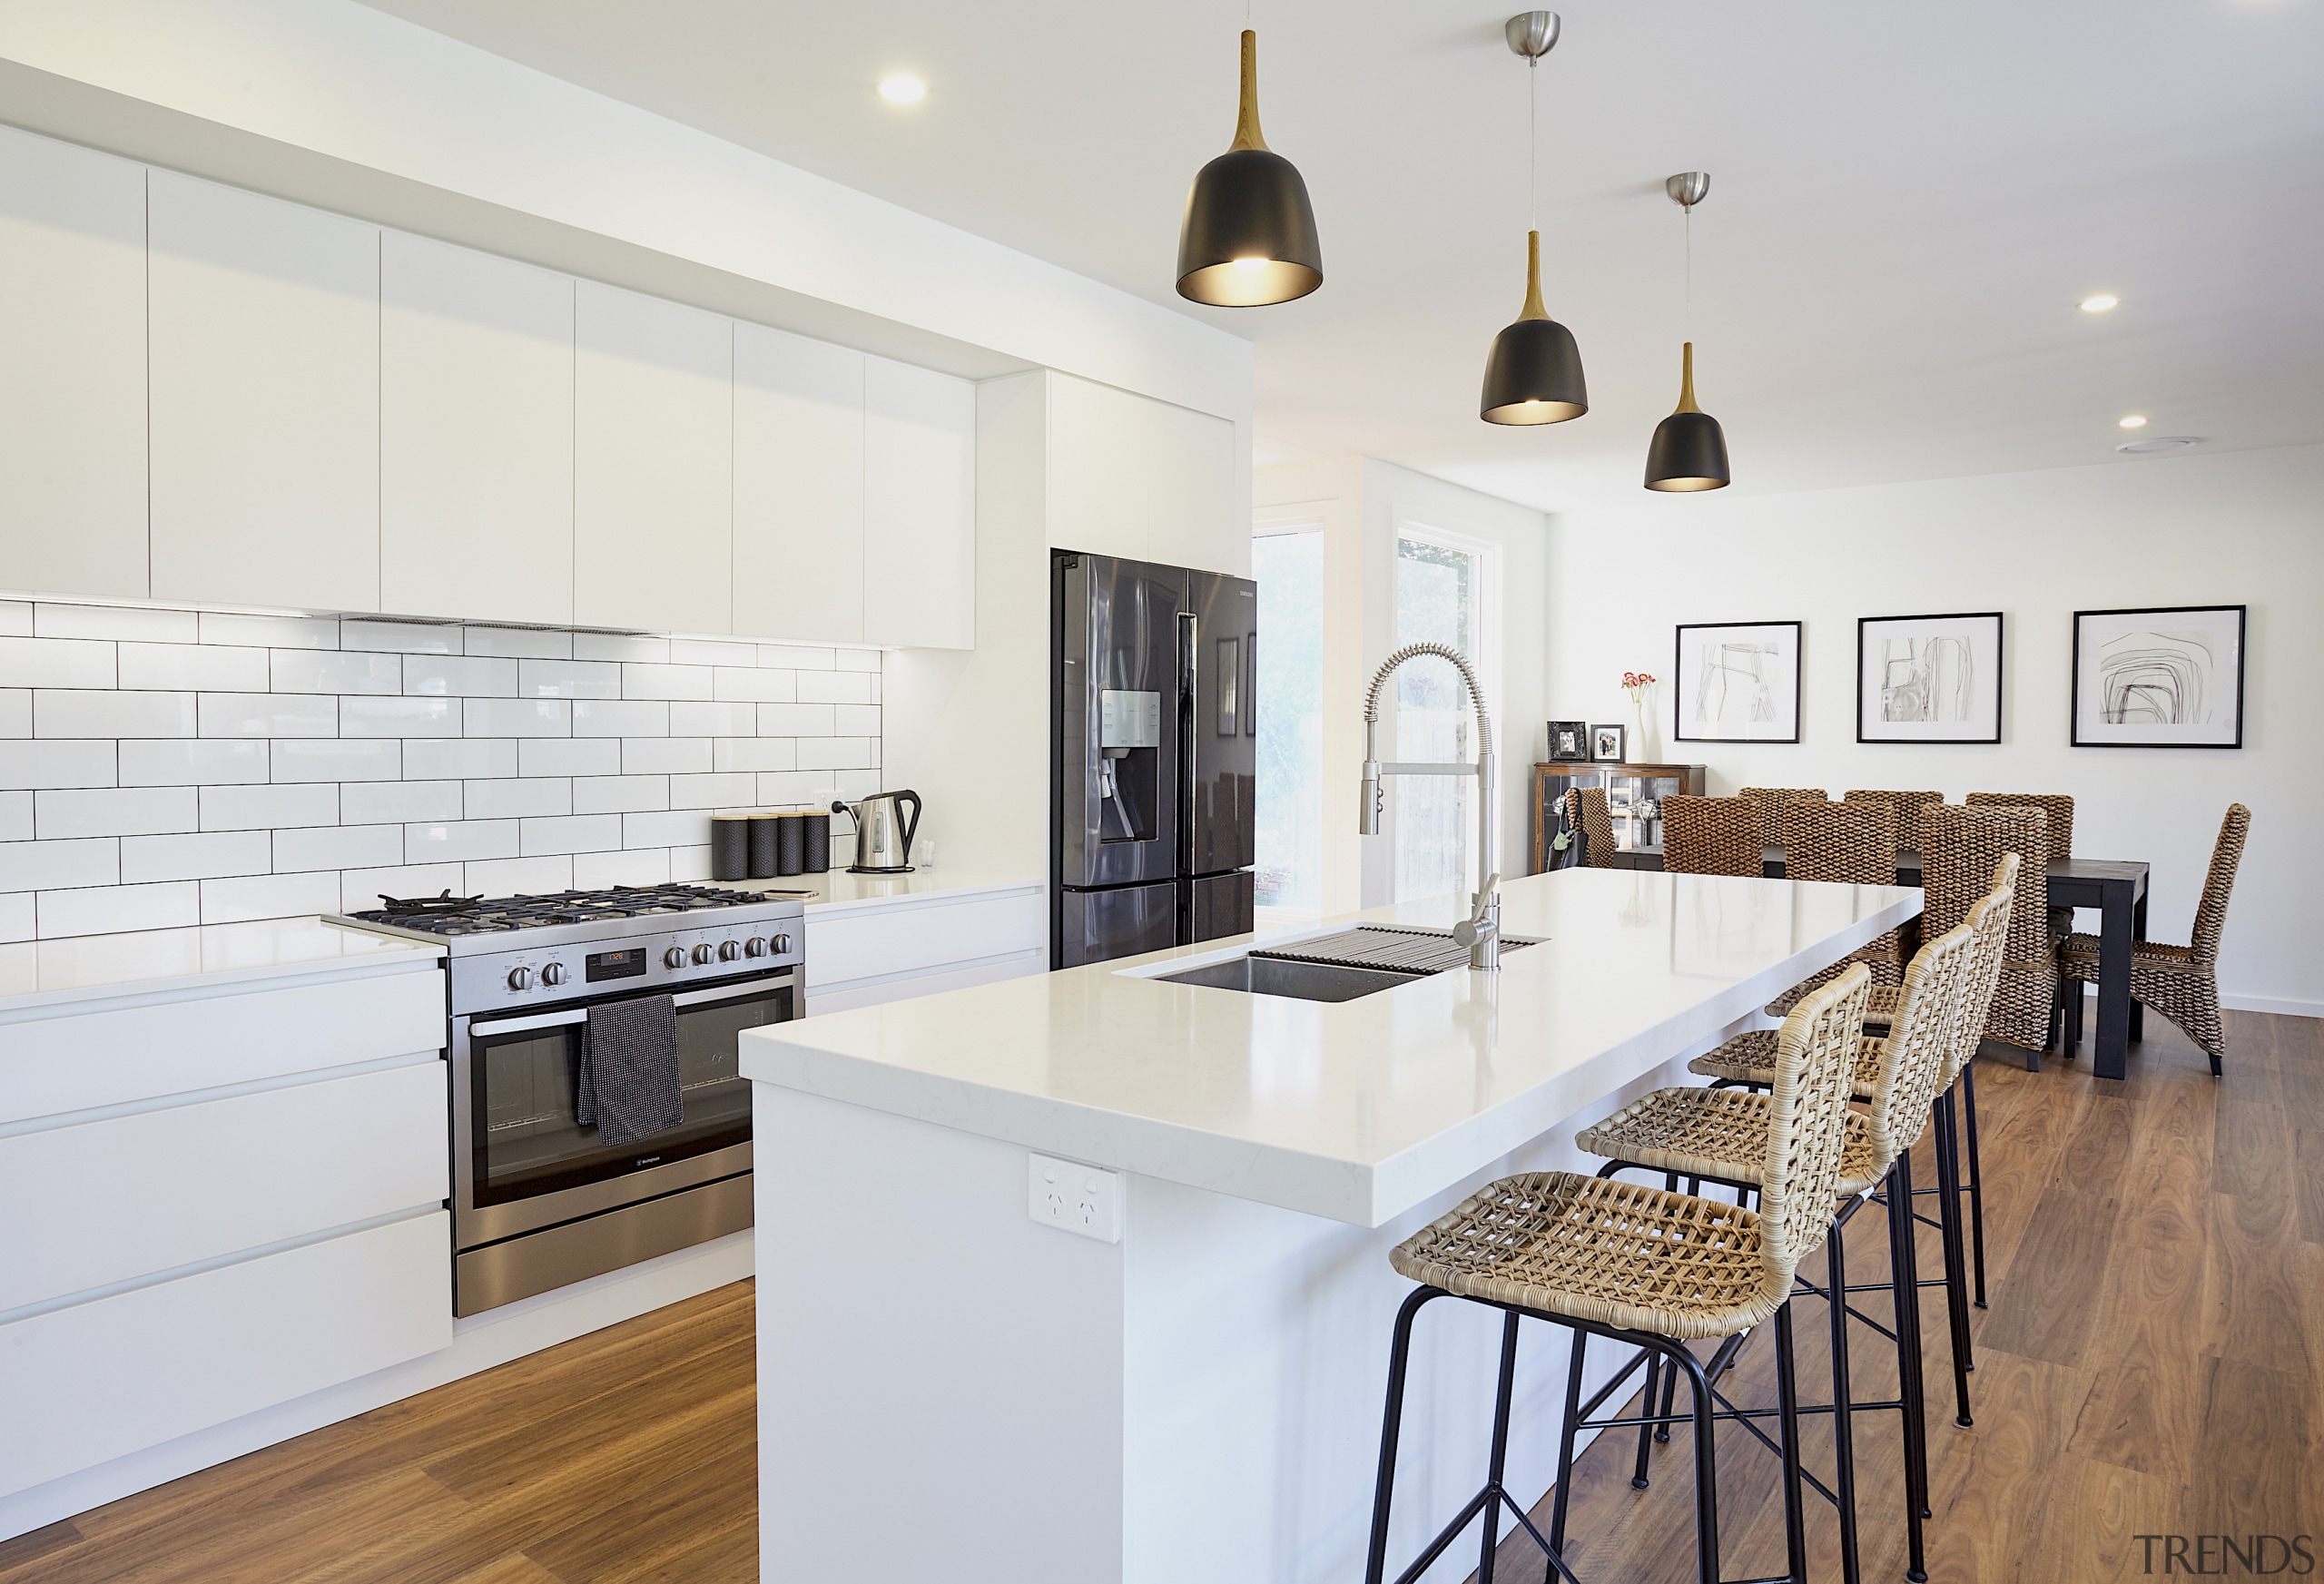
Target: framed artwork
(1607,744)
(1928,679)
(1738,681)
(2171,676)
(1569,742)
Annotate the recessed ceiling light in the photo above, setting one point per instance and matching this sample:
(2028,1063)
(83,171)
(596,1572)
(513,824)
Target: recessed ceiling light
(908,90)
(2089,304)
(2133,422)
(2157,444)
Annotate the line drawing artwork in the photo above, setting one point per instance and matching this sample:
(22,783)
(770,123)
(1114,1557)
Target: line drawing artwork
(1734,685)
(1926,679)
(2155,679)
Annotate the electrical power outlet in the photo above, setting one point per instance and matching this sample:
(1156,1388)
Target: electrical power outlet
(1084,1200)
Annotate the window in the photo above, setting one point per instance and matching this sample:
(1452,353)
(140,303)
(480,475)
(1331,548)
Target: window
(1289,676)
(1444,596)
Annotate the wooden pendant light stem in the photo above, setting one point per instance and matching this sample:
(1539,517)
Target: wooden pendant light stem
(1533,308)
(1687,380)
(1246,117)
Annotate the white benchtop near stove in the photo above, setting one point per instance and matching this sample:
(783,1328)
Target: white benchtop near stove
(841,892)
(44,973)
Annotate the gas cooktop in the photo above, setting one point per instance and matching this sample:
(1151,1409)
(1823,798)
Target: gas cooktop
(451,915)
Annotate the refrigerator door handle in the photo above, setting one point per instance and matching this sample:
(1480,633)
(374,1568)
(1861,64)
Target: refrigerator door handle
(1189,719)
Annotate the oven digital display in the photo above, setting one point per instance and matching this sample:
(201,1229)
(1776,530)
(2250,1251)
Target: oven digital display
(615,965)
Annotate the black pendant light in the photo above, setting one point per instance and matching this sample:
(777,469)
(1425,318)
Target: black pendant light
(1689,452)
(1534,375)
(1248,238)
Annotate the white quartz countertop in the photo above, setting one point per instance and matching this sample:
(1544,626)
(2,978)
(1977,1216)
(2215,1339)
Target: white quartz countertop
(39,973)
(1356,1111)
(840,892)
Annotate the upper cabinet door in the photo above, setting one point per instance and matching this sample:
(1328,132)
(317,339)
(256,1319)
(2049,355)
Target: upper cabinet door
(1192,520)
(919,530)
(476,435)
(653,451)
(71,368)
(265,393)
(798,487)
(1100,470)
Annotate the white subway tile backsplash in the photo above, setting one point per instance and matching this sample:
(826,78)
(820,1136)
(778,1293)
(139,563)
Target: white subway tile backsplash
(835,687)
(758,686)
(268,808)
(330,670)
(571,833)
(712,652)
(459,676)
(720,720)
(686,828)
(648,866)
(856,783)
(447,841)
(195,856)
(575,755)
(876,685)
(338,759)
(402,637)
(619,647)
(42,866)
(17,618)
(55,663)
(856,719)
(713,791)
(65,763)
(361,889)
(92,713)
(620,794)
(516,717)
(520,643)
(269,896)
(145,811)
(689,864)
(271,632)
(196,667)
(339,847)
(754,753)
(511,876)
(16,712)
(593,679)
(517,799)
(629,718)
(18,921)
(193,762)
(400,801)
(859,660)
(797,719)
(269,714)
(797,658)
(15,816)
(665,755)
(666,682)
(109,909)
(398,717)
(101,621)
(791,789)
(458,759)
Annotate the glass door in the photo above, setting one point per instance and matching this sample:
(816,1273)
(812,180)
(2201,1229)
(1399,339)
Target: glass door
(1441,598)
(1288,676)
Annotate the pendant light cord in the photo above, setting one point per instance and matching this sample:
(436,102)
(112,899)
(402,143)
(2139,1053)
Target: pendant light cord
(1532,145)
(1689,320)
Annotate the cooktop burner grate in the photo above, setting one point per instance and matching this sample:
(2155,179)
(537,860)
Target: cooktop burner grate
(450,915)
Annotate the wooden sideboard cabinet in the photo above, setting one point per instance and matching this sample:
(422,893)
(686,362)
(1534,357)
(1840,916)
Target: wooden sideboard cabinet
(1634,794)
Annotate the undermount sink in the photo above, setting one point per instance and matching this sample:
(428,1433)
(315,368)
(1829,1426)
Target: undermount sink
(1305,982)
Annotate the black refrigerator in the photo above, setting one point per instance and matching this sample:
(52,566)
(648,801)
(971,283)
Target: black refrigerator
(1153,756)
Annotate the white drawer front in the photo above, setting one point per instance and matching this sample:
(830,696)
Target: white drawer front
(926,984)
(111,1201)
(83,1386)
(77,1062)
(908,939)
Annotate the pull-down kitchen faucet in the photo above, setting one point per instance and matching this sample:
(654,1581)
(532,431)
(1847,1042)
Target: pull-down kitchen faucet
(1481,932)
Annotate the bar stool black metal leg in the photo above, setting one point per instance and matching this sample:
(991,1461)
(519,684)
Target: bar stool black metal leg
(1957,1276)
(1500,1445)
(1905,1289)
(1976,1177)
(1706,1463)
(1836,1271)
(1794,1516)
(1646,1432)
(1565,1441)
(1399,1352)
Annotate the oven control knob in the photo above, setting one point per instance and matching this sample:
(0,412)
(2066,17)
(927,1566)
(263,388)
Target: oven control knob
(755,947)
(553,973)
(728,951)
(782,944)
(521,978)
(675,958)
(702,953)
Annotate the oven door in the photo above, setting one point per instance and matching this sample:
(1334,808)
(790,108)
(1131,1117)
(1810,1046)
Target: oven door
(522,1161)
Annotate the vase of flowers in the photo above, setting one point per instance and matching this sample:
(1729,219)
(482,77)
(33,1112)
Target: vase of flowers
(1644,749)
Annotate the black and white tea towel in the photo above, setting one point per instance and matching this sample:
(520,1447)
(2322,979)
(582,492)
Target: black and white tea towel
(629,1071)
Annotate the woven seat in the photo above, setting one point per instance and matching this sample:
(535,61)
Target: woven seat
(1750,1059)
(1769,801)
(2182,982)
(1710,1133)
(1909,806)
(1847,844)
(1712,836)
(1586,807)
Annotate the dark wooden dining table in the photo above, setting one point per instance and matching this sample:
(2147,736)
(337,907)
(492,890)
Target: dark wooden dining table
(2116,887)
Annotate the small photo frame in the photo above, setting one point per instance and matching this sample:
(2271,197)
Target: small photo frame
(1569,742)
(1607,744)
(2168,676)
(1738,681)
(1928,679)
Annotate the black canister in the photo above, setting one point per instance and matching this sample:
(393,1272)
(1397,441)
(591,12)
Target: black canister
(791,843)
(815,846)
(763,849)
(729,847)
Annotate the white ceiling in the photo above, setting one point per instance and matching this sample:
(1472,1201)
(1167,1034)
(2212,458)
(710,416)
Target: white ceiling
(1906,203)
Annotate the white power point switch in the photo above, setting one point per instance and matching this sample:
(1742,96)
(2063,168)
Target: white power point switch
(1074,1198)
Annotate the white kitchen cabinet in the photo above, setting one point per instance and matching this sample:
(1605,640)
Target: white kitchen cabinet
(798,487)
(1190,491)
(72,381)
(265,399)
(1132,477)
(652,496)
(868,952)
(919,532)
(476,435)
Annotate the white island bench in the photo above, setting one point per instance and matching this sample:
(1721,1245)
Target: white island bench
(949,1389)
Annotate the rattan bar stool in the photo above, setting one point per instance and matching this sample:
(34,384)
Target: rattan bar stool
(1648,1268)
(1771,801)
(2182,982)
(1718,1135)
(1849,844)
(1586,806)
(1909,806)
(1712,836)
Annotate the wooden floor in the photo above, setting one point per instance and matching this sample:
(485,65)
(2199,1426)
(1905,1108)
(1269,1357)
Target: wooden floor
(2149,1365)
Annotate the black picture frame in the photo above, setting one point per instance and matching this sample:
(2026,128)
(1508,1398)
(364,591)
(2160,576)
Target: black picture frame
(1992,696)
(1687,712)
(1621,735)
(2160,676)
(1569,742)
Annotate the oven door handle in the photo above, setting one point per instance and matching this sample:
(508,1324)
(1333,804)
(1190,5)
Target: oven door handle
(480,1028)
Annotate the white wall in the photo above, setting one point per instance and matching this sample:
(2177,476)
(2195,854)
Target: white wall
(2242,529)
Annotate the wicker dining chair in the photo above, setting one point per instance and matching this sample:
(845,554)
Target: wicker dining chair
(2182,982)
(1847,844)
(1769,801)
(1712,836)
(2060,808)
(1960,846)
(1585,806)
(1909,806)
